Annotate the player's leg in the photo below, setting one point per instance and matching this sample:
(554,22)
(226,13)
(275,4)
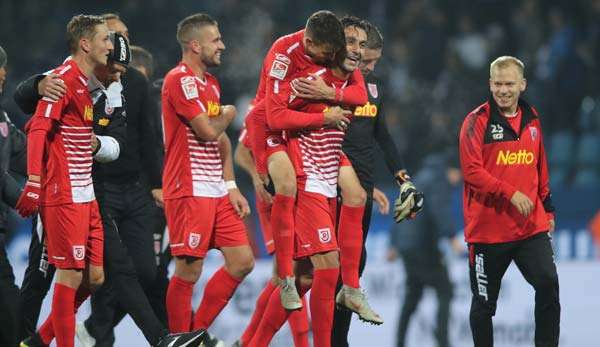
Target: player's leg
(535,260)
(343,318)
(283,175)
(487,265)
(36,282)
(190,233)
(414,286)
(275,315)
(325,276)
(350,233)
(230,237)
(9,299)
(437,271)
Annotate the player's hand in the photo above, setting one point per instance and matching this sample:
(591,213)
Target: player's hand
(552,225)
(29,201)
(410,201)
(522,203)
(336,117)
(259,188)
(94,143)
(313,87)
(229,112)
(157,194)
(402,176)
(382,201)
(240,204)
(52,87)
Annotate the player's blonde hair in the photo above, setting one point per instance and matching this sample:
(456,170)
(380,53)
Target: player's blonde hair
(79,27)
(506,61)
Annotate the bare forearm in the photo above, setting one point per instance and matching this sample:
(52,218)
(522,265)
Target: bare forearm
(226,158)
(243,158)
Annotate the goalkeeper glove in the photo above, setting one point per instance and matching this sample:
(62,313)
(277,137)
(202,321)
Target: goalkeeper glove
(409,202)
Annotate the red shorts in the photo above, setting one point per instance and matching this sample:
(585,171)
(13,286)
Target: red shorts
(264,217)
(197,224)
(315,227)
(75,236)
(275,142)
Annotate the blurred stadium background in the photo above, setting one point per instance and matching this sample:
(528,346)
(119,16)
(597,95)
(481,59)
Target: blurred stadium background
(435,67)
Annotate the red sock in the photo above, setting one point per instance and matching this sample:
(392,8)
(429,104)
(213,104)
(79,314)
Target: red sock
(350,235)
(179,304)
(322,305)
(298,321)
(261,305)
(63,315)
(46,330)
(272,320)
(282,226)
(217,292)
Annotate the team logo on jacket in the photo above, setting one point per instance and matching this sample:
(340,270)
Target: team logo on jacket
(78,252)
(373,89)
(367,110)
(279,67)
(4,129)
(534,133)
(324,235)
(88,113)
(522,157)
(108,110)
(194,240)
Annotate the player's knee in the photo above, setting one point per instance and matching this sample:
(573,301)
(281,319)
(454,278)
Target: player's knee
(481,309)
(356,196)
(546,282)
(286,187)
(96,280)
(242,267)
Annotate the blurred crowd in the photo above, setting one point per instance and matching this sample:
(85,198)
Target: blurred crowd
(435,62)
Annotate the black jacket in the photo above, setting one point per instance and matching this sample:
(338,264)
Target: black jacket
(13,160)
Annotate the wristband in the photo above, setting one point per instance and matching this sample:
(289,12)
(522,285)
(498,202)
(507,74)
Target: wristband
(230,185)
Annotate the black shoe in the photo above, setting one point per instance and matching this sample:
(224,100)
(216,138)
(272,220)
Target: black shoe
(33,341)
(192,339)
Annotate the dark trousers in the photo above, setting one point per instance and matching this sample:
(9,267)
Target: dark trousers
(134,215)
(342,318)
(119,270)
(425,268)
(534,259)
(9,299)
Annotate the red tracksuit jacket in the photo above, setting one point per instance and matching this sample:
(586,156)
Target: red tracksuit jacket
(496,161)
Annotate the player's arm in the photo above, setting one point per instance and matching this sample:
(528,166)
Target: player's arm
(544,182)
(243,158)
(392,156)
(44,120)
(315,88)
(30,91)
(210,128)
(240,204)
(112,141)
(471,160)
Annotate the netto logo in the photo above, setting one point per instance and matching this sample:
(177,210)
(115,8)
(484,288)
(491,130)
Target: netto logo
(214,109)
(367,110)
(522,157)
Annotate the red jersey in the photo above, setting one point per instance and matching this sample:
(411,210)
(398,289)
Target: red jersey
(192,167)
(67,171)
(286,58)
(496,161)
(316,153)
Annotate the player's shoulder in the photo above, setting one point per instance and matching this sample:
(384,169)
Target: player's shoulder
(178,75)
(477,117)
(211,79)
(288,44)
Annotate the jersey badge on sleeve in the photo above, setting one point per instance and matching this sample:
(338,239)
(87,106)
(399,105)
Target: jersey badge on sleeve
(373,90)
(533,132)
(190,89)
(279,68)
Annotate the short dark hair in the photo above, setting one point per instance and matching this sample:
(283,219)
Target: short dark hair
(374,37)
(110,16)
(141,57)
(192,23)
(81,26)
(352,21)
(323,27)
